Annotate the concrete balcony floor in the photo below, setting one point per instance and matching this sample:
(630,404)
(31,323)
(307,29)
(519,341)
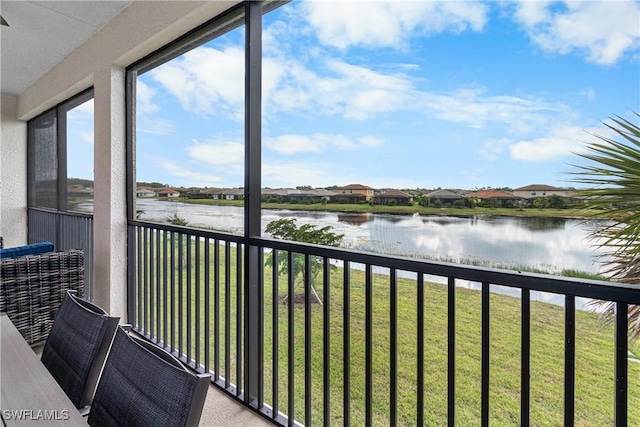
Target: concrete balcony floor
(222,410)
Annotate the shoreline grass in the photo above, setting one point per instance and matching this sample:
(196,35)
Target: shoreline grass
(569,213)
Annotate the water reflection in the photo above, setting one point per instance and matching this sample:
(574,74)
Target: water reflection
(504,242)
(541,223)
(547,244)
(354,219)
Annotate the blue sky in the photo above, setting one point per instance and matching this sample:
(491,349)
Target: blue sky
(405,94)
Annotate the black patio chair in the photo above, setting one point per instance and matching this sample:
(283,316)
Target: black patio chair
(142,385)
(77,347)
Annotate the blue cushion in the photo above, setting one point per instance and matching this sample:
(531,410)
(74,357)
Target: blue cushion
(32,249)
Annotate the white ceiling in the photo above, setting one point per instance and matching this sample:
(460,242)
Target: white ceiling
(42,33)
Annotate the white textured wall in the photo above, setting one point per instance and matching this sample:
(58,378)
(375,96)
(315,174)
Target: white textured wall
(13,170)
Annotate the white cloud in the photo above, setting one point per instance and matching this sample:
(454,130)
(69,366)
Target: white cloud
(603,31)
(339,88)
(589,93)
(293,144)
(371,141)
(210,82)
(374,24)
(206,81)
(144,96)
(217,153)
(559,142)
(81,117)
(154,126)
(86,136)
(146,117)
(493,148)
(187,175)
(291,174)
(475,109)
(82,111)
(317,143)
(358,93)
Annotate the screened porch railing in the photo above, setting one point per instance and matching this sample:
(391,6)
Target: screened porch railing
(331,335)
(66,230)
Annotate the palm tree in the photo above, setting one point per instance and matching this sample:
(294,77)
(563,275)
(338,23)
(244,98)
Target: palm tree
(613,175)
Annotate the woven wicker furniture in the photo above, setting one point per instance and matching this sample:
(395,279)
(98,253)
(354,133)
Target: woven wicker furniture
(143,386)
(32,288)
(77,347)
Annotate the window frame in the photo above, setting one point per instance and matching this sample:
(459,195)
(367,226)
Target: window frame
(60,112)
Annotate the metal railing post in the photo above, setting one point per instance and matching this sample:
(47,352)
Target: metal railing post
(253,322)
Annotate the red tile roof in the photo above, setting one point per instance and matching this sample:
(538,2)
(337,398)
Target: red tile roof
(355,187)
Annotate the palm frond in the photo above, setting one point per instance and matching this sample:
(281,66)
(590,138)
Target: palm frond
(613,174)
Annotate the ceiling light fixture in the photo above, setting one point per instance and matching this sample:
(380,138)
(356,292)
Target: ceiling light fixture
(3,22)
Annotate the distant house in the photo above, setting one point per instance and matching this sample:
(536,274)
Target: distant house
(276,194)
(295,194)
(79,191)
(443,196)
(540,190)
(145,192)
(353,189)
(321,193)
(499,196)
(168,192)
(315,194)
(351,198)
(232,194)
(214,193)
(401,198)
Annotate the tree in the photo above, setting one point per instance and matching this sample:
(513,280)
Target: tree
(520,204)
(613,172)
(557,202)
(473,202)
(286,229)
(541,202)
(422,200)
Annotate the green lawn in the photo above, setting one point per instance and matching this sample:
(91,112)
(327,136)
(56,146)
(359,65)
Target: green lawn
(594,353)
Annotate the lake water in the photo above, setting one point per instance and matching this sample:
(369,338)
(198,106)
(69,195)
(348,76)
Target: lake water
(545,244)
(548,244)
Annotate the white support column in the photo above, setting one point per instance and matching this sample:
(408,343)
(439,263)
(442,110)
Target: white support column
(13,170)
(110,201)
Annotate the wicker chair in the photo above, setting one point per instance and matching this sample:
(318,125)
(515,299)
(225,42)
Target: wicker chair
(141,385)
(32,288)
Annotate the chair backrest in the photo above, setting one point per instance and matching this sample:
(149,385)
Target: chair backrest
(77,347)
(142,387)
